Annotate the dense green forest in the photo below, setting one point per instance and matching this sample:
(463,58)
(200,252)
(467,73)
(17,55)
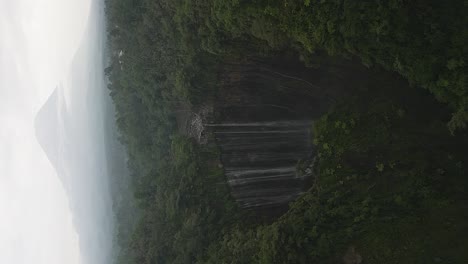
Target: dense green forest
(391,183)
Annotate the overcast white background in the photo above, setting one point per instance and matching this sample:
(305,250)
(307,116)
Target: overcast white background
(38,39)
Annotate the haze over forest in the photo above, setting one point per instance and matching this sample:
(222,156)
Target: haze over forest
(76,130)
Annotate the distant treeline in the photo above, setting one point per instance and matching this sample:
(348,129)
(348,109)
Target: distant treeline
(389,168)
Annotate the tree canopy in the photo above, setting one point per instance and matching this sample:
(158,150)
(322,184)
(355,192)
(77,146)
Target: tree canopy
(388,167)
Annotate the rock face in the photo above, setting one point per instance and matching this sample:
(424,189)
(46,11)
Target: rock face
(262,123)
(260,159)
(191,123)
(261,119)
(352,257)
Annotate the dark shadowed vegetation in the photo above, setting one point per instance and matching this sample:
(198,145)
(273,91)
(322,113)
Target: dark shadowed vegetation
(390,166)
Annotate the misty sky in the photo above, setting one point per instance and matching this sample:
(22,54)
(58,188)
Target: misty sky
(38,39)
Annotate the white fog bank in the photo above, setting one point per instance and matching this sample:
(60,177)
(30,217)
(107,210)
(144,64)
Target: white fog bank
(38,39)
(75,129)
(58,144)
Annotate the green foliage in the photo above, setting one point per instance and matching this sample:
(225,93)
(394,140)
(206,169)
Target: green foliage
(156,68)
(385,158)
(385,179)
(425,41)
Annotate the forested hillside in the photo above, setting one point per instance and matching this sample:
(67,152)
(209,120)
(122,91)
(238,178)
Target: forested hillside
(390,164)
